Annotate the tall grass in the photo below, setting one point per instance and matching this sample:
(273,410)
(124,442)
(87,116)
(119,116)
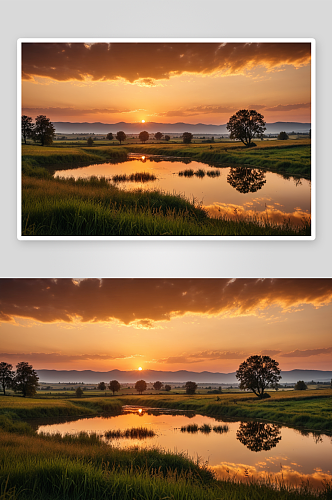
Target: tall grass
(136,177)
(132,433)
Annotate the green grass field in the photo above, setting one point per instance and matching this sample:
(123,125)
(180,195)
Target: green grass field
(83,467)
(58,207)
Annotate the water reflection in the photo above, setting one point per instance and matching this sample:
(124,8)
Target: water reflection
(246,180)
(257,436)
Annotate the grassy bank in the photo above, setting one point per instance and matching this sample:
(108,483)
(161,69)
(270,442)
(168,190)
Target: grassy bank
(57,207)
(310,411)
(280,156)
(82,467)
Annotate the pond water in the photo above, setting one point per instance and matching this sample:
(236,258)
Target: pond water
(244,449)
(237,191)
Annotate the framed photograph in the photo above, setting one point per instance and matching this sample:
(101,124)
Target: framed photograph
(166,388)
(166,139)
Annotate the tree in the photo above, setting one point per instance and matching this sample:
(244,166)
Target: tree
(6,376)
(167,138)
(191,387)
(144,136)
(187,137)
(158,385)
(43,131)
(90,141)
(245,125)
(167,387)
(158,136)
(300,386)
(27,127)
(257,436)
(114,386)
(25,379)
(120,136)
(79,392)
(101,386)
(246,180)
(258,373)
(140,386)
(283,136)
(109,136)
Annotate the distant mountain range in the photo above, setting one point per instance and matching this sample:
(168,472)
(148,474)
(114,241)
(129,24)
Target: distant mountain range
(181,376)
(168,128)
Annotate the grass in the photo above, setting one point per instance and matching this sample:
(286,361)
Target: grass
(137,177)
(133,433)
(83,467)
(57,207)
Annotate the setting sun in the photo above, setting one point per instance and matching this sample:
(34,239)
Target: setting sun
(140,368)
(143,121)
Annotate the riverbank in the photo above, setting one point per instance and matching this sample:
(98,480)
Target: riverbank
(83,467)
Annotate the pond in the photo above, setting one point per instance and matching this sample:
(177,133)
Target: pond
(241,449)
(231,191)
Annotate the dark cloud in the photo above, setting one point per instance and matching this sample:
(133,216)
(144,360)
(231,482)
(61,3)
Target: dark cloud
(153,61)
(134,300)
(307,352)
(289,107)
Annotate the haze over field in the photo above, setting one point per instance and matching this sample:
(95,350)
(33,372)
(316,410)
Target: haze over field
(166,82)
(165,324)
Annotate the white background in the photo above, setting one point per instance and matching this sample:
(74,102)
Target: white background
(177,19)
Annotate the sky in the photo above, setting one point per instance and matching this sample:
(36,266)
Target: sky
(166,82)
(165,324)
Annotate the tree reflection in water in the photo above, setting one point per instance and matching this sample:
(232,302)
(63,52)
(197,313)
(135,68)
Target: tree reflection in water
(246,180)
(257,436)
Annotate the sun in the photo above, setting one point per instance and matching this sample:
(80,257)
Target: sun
(140,368)
(143,121)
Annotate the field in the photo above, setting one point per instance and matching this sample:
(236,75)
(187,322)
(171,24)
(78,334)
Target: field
(83,467)
(55,207)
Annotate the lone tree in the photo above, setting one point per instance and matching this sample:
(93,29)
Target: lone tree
(158,136)
(257,436)
(144,136)
(191,387)
(167,138)
(43,131)
(114,386)
(25,379)
(27,127)
(300,386)
(109,136)
(158,385)
(6,376)
(120,136)
(101,386)
(187,137)
(283,136)
(90,141)
(79,392)
(140,386)
(167,387)
(258,373)
(245,125)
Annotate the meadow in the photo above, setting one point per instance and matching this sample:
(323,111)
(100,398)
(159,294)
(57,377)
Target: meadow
(84,467)
(94,207)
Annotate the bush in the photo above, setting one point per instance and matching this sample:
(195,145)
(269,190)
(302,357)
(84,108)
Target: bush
(79,392)
(300,386)
(283,136)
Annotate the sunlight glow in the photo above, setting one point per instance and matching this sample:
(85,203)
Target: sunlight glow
(143,121)
(140,368)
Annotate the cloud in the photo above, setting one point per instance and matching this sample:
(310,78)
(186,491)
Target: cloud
(133,300)
(146,62)
(202,356)
(289,107)
(256,106)
(72,111)
(55,357)
(198,110)
(306,353)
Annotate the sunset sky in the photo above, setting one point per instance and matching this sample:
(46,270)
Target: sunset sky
(166,82)
(165,324)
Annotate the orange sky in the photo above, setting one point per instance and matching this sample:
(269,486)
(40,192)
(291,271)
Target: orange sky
(165,324)
(166,82)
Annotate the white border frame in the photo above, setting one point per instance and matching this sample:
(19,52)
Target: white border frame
(312,41)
